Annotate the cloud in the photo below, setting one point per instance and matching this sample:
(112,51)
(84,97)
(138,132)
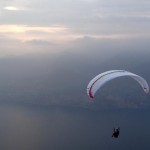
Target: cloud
(62,22)
(39,42)
(25,32)
(25,28)
(11,8)
(84,16)
(24,39)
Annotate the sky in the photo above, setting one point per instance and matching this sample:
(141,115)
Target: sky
(52,25)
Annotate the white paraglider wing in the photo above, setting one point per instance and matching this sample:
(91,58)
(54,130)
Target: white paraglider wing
(98,81)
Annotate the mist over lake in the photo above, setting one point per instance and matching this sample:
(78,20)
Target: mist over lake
(61,79)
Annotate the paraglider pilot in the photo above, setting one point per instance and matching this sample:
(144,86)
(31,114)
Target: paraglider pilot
(115,133)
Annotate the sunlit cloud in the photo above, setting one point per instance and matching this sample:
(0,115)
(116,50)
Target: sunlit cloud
(52,34)
(24,32)
(25,28)
(22,39)
(11,8)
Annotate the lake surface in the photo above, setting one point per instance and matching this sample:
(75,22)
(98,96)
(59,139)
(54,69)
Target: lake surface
(30,127)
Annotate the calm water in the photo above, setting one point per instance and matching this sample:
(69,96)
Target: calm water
(26,127)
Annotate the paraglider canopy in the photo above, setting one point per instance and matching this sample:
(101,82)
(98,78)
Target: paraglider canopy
(98,81)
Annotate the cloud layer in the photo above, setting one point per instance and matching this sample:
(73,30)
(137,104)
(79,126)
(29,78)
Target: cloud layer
(63,21)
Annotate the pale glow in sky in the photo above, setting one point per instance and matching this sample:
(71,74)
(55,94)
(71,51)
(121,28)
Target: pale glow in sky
(65,21)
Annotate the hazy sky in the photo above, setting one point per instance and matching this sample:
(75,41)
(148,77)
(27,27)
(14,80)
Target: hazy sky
(51,25)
